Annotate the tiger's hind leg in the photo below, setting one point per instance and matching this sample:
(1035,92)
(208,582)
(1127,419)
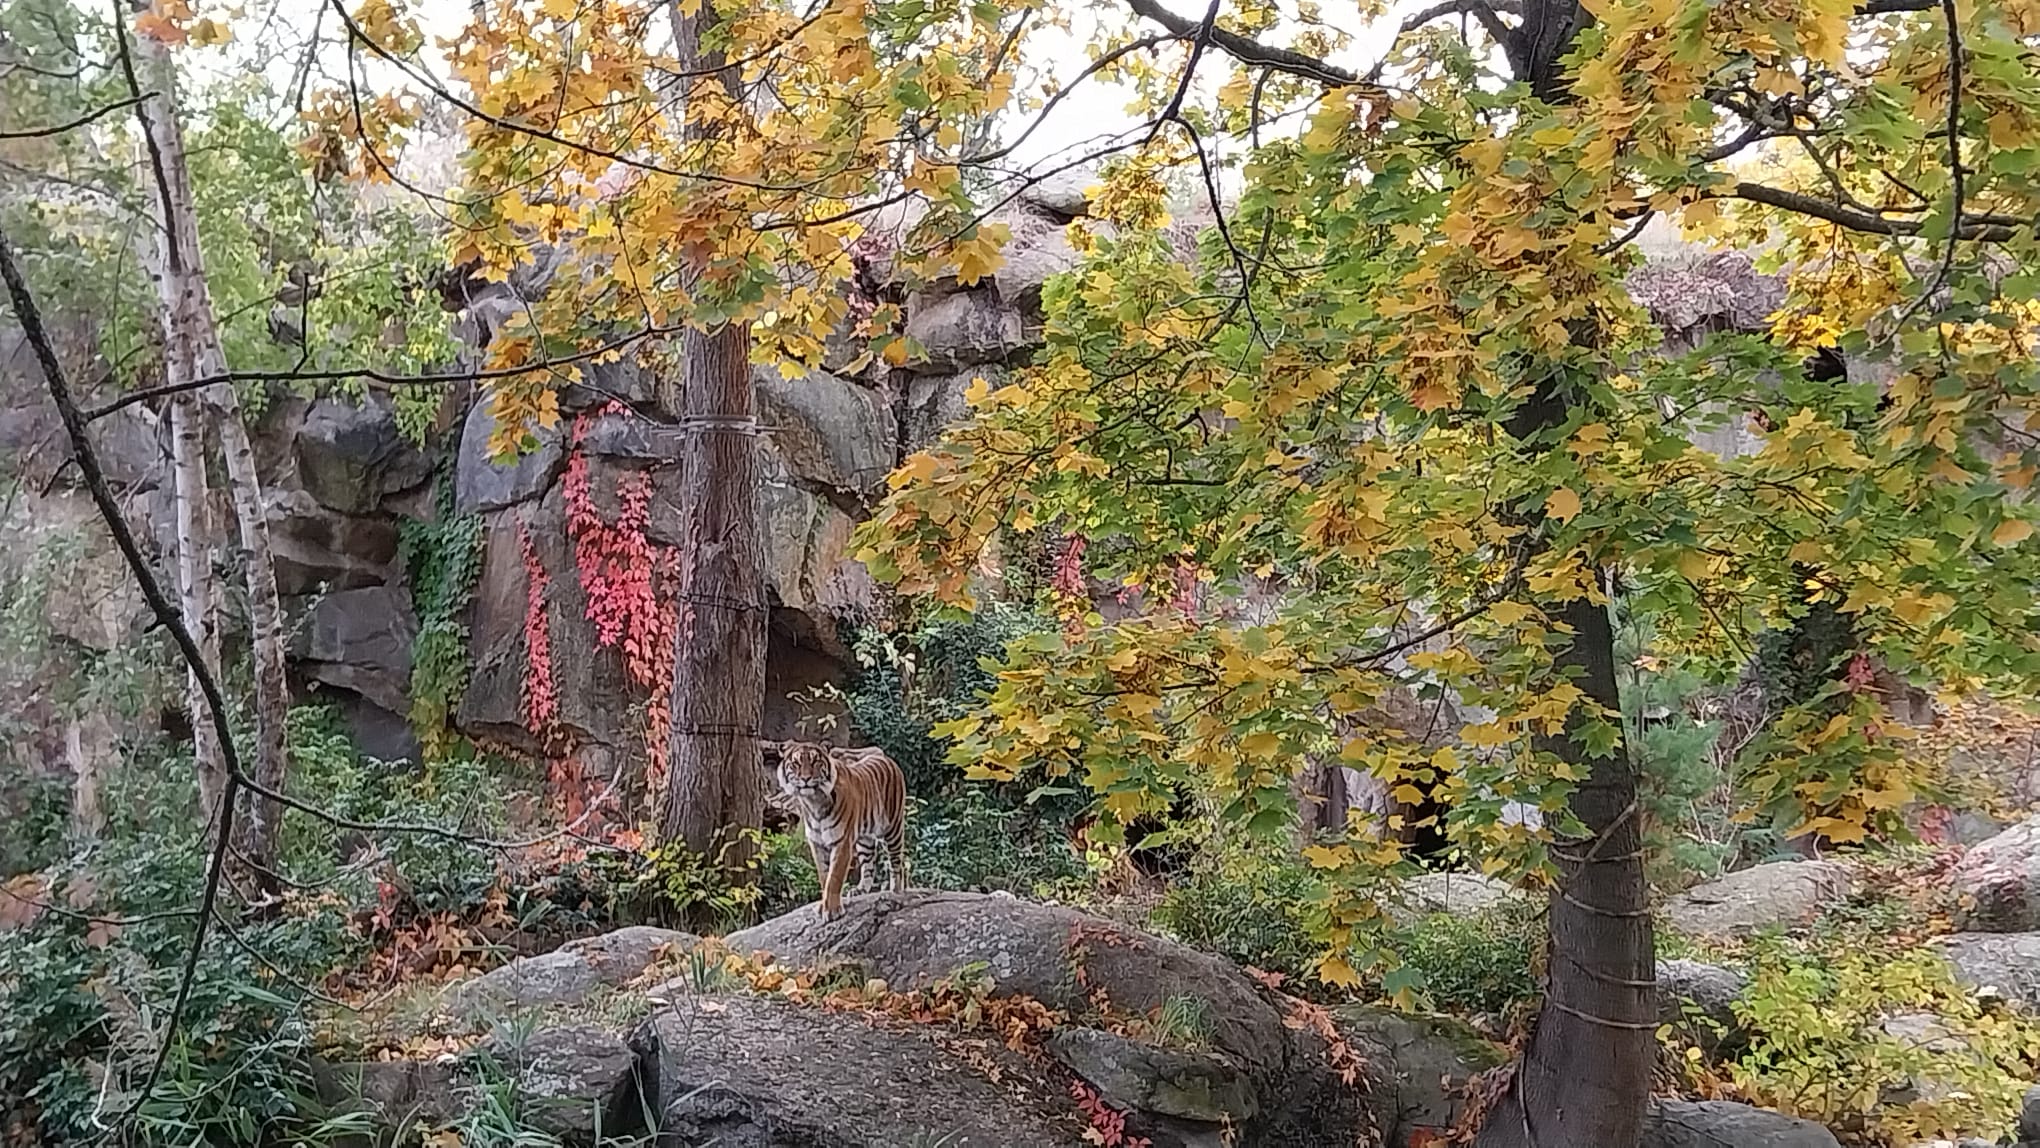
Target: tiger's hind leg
(867,865)
(896,856)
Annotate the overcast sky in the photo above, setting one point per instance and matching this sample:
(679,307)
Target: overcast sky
(272,39)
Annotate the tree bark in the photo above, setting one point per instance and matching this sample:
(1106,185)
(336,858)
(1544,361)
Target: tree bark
(192,352)
(719,659)
(1585,1077)
(189,499)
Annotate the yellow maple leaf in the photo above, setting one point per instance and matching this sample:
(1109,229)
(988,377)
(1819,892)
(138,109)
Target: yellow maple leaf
(1335,971)
(2011,532)
(1563,504)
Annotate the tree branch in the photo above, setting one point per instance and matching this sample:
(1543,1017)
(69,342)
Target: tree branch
(68,125)
(1988,229)
(1249,51)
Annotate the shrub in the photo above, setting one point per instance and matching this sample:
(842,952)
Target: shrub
(1252,904)
(1881,1041)
(1482,963)
(907,683)
(971,842)
(85,988)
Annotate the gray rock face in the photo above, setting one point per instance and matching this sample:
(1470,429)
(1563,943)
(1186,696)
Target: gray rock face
(1997,883)
(920,936)
(1461,894)
(829,433)
(964,329)
(351,457)
(567,975)
(315,548)
(763,1073)
(1724,1124)
(935,402)
(1424,1063)
(1698,999)
(1189,1085)
(480,484)
(1778,894)
(2029,1114)
(360,640)
(2005,963)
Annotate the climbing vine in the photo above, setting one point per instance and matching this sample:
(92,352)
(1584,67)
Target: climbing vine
(443,557)
(628,581)
(541,700)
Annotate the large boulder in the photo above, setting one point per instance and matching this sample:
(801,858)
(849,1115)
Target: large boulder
(1422,1065)
(1063,958)
(1725,1124)
(351,456)
(1185,1083)
(1698,1001)
(1779,894)
(2007,964)
(360,641)
(569,974)
(966,328)
(1258,1043)
(1997,883)
(935,402)
(482,483)
(740,1070)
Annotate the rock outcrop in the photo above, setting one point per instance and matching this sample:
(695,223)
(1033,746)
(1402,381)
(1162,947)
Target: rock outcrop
(1780,894)
(1997,883)
(647,1029)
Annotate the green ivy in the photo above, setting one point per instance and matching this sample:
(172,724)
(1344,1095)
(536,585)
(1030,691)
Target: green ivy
(444,557)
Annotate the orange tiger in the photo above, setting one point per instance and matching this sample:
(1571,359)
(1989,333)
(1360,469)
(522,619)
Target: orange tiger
(848,798)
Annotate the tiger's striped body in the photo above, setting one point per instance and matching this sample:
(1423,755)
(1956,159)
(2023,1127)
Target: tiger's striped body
(850,800)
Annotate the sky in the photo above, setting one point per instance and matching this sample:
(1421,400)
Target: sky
(271,39)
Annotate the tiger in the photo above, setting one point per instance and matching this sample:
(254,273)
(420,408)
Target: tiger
(854,794)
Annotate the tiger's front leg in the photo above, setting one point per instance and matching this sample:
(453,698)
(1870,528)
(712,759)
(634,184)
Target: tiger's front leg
(833,878)
(867,865)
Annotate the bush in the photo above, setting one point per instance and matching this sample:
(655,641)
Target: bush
(1483,963)
(1881,1042)
(907,683)
(1251,904)
(86,986)
(972,843)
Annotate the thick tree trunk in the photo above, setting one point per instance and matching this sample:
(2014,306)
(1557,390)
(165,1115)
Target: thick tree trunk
(719,660)
(1585,1077)
(192,352)
(714,791)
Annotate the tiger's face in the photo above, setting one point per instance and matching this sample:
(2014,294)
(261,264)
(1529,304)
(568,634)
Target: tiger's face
(806,770)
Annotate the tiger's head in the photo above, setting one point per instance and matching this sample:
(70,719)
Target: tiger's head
(806,770)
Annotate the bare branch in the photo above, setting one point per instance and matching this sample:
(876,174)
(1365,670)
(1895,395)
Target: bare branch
(1249,51)
(70,125)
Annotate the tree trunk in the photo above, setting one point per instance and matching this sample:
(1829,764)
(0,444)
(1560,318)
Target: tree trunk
(719,659)
(192,352)
(259,819)
(1585,1077)
(190,498)
(714,791)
